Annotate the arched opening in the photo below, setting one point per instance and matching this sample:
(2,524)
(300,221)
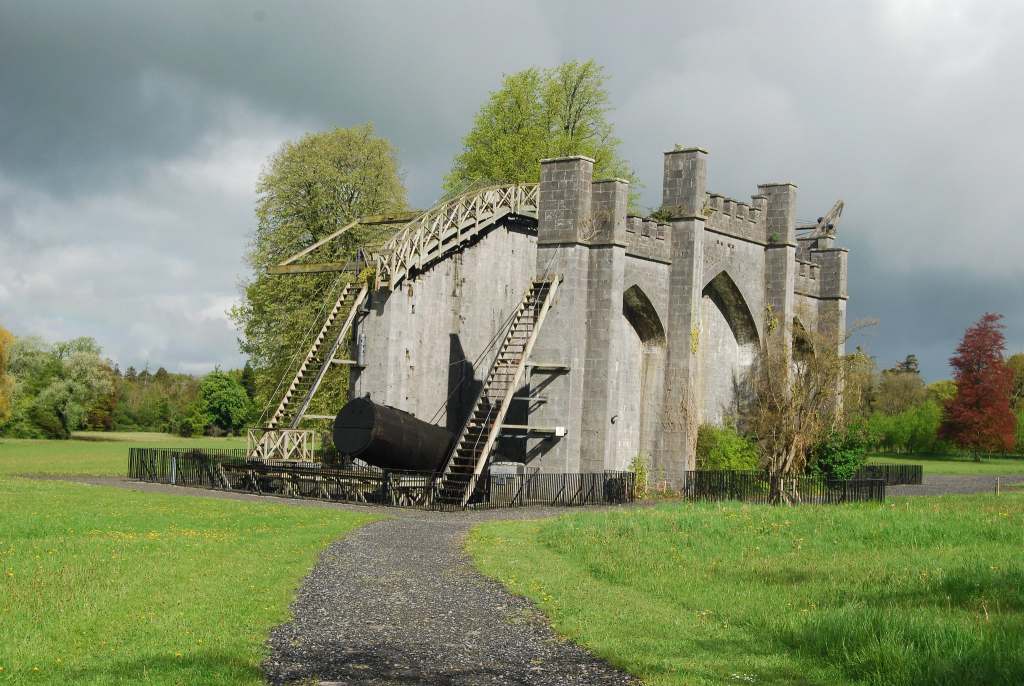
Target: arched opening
(803,346)
(641,372)
(640,313)
(728,344)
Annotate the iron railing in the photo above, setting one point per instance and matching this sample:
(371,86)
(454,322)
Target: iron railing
(759,487)
(229,470)
(893,474)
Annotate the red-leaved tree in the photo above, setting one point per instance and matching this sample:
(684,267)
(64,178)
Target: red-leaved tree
(979,417)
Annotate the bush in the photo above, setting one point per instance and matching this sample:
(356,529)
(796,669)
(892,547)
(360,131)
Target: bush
(914,430)
(722,447)
(639,466)
(840,454)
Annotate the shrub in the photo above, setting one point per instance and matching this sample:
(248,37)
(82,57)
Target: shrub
(840,455)
(914,430)
(722,447)
(638,465)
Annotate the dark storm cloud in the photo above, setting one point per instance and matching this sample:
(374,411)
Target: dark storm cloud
(131,135)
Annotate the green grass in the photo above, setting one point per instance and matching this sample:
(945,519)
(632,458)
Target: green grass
(107,586)
(916,591)
(957,464)
(98,454)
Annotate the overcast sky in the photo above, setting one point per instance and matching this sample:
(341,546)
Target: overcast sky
(131,136)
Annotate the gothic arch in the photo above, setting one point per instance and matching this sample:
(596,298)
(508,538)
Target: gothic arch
(726,295)
(641,315)
(803,346)
(641,370)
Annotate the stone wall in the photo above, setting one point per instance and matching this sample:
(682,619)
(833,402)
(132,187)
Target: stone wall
(422,341)
(655,324)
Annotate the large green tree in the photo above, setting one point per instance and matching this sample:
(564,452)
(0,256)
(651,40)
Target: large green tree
(223,406)
(539,113)
(56,385)
(6,382)
(309,189)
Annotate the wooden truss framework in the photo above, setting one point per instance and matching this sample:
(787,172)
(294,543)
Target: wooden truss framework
(280,444)
(447,226)
(423,236)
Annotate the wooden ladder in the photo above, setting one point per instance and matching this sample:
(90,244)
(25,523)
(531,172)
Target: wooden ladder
(469,457)
(319,359)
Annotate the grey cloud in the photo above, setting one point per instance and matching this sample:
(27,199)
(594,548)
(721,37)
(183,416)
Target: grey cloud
(135,130)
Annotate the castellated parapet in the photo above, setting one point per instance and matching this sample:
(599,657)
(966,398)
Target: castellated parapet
(654,329)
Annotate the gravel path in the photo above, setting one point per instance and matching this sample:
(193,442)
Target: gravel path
(944,484)
(397,602)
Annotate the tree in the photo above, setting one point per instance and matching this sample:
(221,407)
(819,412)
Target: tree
(909,365)
(539,113)
(1016,364)
(248,380)
(310,188)
(979,417)
(57,385)
(794,406)
(859,385)
(222,405)
(6,381)
(899,391)
(942,391)
(225,401)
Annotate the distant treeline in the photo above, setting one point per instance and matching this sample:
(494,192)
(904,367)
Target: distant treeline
(894,410)
(53,389)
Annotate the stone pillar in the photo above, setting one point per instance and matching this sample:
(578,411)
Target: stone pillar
(564,217)
(683,195)
(832,294)
(780,263)
(605,235)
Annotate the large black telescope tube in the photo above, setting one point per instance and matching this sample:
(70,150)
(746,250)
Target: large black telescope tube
(389,438)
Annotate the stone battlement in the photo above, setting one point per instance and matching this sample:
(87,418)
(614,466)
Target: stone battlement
(648,239)
(745,221)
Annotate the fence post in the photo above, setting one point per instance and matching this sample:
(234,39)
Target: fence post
(174,469)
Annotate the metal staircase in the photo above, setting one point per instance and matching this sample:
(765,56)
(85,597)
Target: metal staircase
(281,438)
(457,481)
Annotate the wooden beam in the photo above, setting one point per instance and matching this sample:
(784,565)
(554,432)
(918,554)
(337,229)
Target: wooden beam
(313,268)
(326,239)
(374,219)
(523,428)
(548,366)
(393,218)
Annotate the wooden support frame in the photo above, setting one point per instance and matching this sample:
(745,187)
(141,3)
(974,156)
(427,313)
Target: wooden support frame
(280,444)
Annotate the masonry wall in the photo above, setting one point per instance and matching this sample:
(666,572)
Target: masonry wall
(421,340)
(654,328)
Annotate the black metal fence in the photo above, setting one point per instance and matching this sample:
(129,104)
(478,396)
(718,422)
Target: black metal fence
(893,474)
(758,487)
(229,470)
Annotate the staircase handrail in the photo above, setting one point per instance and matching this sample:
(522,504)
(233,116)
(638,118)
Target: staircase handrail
(427,231)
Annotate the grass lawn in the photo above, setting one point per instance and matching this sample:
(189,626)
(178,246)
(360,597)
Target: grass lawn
(92,453)
(915,591)
(107,586)
(957,464)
